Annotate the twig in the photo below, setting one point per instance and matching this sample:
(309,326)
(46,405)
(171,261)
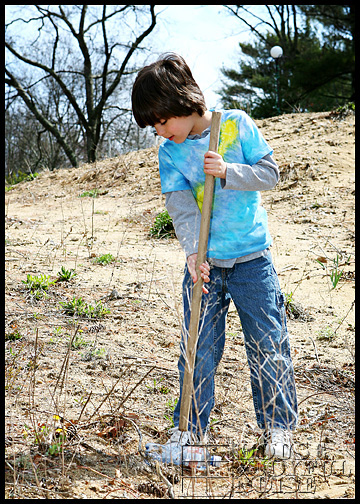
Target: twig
(96,472)
(34,362)
(152,276)
(131,490)
(165,480)
(9,465)
(107,395)
(83,408)
(138,383)
(349,310)
(96,450)
(316,393)
(138,431)
(109,478)
(316,354)
(65,362)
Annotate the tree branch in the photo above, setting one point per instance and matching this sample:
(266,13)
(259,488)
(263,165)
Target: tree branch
(53,74)
(133,47)
(13,82)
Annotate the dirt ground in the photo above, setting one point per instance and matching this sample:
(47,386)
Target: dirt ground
(109,383)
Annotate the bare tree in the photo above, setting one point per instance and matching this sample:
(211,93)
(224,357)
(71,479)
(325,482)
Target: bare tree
(86,60)
(280,20)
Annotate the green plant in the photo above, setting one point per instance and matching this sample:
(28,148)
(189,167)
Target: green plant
(51,439)
(37,285)
(245,456)
(13,336)
(344,108)
(93,193)
(163,226)
(98,353)
(156,387)
(326,334)
(170,406)
(335,274)
(78,341)
(20,177)
(78,307)
(104,259)
(289,301)
(65,275)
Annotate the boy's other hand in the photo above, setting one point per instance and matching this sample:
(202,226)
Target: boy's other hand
(214,164)
(204,268)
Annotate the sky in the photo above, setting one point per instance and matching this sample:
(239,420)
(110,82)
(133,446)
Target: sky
(207,36)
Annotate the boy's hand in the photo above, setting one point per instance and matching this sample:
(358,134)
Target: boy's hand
(214,164)
(204,268)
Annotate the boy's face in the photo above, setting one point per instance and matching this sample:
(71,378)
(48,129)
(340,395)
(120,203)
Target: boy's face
(176,129)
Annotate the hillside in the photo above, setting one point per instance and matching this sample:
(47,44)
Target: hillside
(119,378)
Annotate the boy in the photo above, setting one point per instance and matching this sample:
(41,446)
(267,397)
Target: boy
(239,266)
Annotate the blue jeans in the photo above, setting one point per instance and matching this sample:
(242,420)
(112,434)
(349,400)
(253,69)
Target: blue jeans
(254,288)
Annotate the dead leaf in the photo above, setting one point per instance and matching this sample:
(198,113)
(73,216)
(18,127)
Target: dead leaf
(322,259)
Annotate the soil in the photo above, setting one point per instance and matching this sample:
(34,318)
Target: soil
(109,382)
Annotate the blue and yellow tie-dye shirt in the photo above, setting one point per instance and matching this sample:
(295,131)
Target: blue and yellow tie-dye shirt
(238,222)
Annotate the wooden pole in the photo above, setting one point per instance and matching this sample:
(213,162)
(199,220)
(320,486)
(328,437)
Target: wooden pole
(187,388)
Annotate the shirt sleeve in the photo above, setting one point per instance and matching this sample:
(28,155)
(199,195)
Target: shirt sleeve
(171,179)
(186,217)
(261,176)
(253,143)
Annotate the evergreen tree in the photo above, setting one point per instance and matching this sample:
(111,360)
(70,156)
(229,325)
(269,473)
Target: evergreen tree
(316,71)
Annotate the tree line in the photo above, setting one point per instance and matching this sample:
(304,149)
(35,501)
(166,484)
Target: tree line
(70,68)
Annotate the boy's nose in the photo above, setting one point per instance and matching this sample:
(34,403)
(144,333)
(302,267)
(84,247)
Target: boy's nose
(160,130)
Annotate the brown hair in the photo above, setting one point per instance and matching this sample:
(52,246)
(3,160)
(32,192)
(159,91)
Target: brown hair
(164,89)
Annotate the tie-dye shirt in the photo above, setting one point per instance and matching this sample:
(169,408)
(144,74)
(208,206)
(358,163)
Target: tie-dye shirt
(238,222)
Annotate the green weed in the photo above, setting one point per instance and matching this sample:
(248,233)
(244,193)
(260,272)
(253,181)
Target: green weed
(38,285)
(289,301)
(244,457)
(335,272)
(12,180)
(98,353)
(78,341)
(48,438)
(163,226)
(65,275)
(345,108)
(78,307)
(326,334)
(93,193)
(170,406)
(158,388)
(104,259)
(13,336)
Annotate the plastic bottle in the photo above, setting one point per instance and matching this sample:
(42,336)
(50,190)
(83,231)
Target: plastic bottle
(174,453)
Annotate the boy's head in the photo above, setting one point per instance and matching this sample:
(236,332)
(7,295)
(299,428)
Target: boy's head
(165,89)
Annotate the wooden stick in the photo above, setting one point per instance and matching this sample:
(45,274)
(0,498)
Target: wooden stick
(187,388)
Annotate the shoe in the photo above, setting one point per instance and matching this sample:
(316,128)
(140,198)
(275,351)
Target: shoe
(278,443)
(184,438)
